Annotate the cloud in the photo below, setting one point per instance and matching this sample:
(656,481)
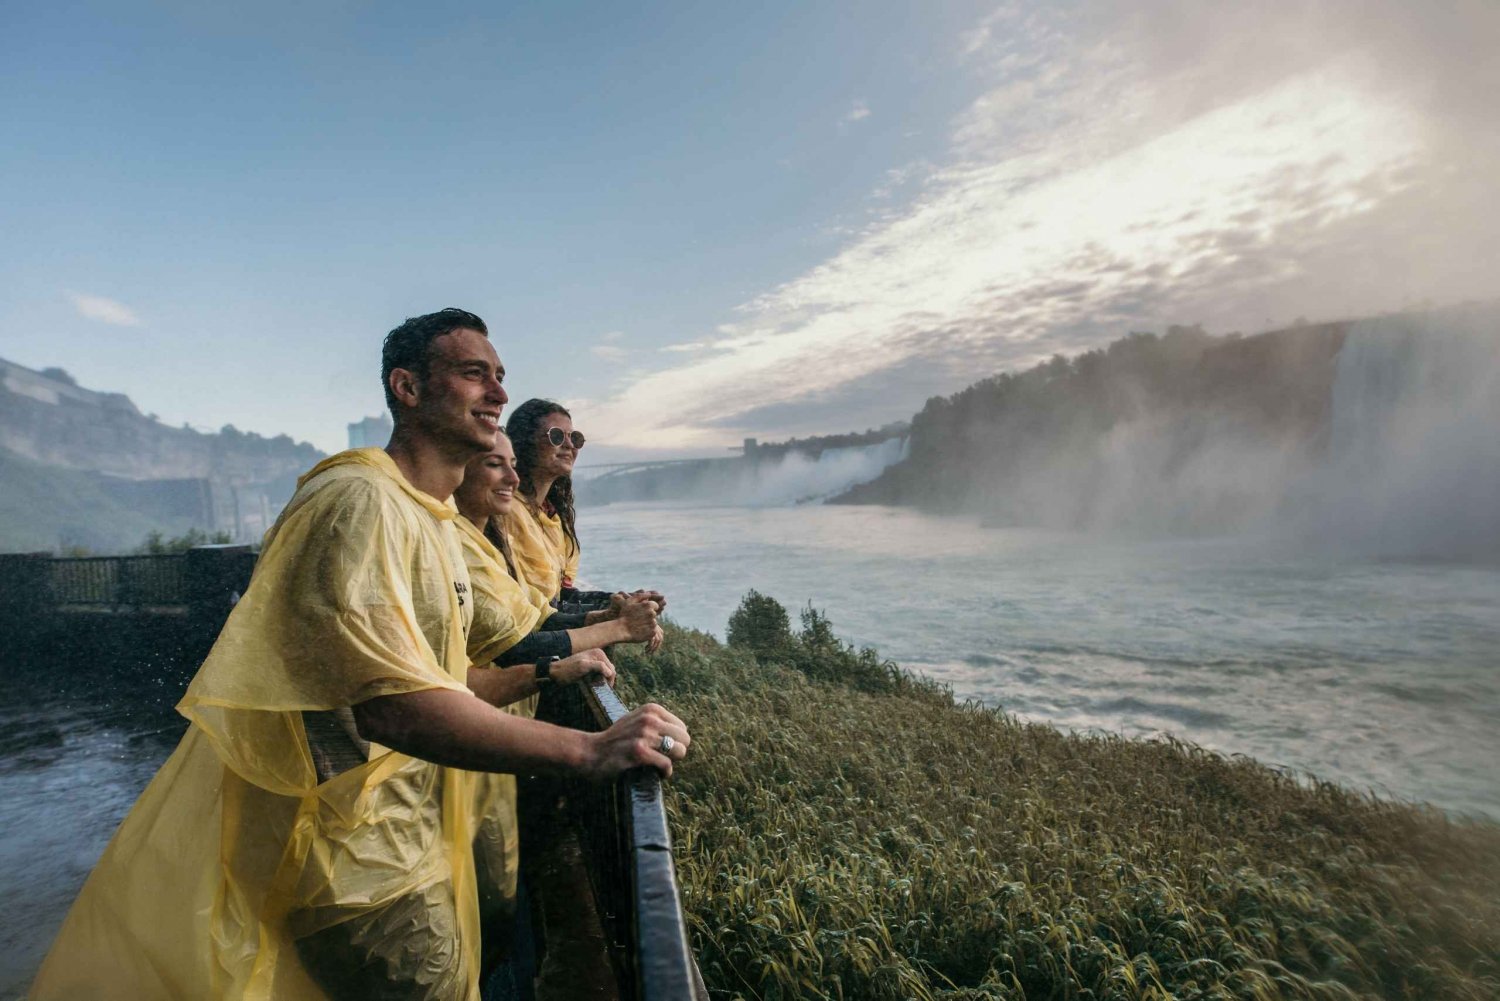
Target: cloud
(896,178)
(609,349)
(111,311)
(859,112)
(1119,172)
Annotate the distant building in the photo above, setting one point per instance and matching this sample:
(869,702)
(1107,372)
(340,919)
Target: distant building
(372,432)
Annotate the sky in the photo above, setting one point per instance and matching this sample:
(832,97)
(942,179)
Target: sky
(695,223)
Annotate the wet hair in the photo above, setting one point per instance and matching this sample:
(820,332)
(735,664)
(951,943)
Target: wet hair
(498,539)
(496,535)
(524,426)
(410,345)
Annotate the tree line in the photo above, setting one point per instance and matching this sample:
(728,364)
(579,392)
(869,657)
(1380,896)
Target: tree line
(968,449)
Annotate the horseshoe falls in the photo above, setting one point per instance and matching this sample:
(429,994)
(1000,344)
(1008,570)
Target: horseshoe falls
(1412,467)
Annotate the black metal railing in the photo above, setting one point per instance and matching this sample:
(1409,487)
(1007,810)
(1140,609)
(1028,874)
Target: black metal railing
(626,848)
(202,584)
(119,580)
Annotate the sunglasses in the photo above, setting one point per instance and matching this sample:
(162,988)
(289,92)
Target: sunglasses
(557,436)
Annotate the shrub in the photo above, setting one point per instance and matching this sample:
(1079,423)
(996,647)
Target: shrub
(760,626)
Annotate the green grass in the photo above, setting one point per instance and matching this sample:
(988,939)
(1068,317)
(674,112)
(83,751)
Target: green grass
(845,830)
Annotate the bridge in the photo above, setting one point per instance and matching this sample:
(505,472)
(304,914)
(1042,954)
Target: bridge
(618,468)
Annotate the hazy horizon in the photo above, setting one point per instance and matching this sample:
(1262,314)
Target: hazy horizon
(807,223)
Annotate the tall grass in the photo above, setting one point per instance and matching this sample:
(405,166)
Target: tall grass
(845,830)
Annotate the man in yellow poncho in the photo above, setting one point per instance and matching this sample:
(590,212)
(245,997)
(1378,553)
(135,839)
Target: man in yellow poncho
(310,838)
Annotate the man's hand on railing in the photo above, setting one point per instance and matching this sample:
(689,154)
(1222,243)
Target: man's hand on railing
(583,666)
(645,737)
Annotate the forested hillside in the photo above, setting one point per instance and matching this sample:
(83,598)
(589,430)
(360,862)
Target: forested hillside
(52,509)
(1075,440)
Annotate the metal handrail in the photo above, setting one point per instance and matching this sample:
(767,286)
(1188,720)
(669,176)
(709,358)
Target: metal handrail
(202,582)
(118,580)
(628,854)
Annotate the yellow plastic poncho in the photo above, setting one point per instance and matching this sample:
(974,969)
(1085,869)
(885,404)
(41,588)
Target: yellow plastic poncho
(497,595)
(542,551)
(236,855)
(505,609)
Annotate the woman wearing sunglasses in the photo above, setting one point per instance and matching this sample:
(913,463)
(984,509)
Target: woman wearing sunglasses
(541,528)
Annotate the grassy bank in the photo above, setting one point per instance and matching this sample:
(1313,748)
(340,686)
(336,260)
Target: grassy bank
(846,831)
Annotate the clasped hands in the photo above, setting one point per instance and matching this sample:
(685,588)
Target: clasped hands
(638,611)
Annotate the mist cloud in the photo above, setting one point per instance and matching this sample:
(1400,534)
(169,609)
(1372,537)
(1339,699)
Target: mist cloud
(1236,167)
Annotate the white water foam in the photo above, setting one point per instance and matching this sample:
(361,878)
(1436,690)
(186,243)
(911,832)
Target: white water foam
(796,478)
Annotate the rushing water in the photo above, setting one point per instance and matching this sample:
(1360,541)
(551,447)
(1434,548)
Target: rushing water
(73,758)
(1413,463)
(1380,675)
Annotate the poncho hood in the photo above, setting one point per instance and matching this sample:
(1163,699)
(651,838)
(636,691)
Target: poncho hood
(379,459)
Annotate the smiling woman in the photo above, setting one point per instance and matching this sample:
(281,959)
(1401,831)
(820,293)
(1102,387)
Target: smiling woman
(541,528)
(537,646)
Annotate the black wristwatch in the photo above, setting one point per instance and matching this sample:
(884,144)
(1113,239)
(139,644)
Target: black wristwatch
(544,670)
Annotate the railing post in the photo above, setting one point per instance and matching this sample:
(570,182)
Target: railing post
(25,585)
(664,967)
(214,577)
(26,601)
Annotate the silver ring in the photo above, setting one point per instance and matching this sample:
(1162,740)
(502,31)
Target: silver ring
(666,745)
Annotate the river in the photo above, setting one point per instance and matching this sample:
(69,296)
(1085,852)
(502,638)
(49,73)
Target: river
(1382,675)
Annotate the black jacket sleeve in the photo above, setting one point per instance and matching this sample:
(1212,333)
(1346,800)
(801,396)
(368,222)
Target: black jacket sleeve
(573,600)
(554,643)
(564,620)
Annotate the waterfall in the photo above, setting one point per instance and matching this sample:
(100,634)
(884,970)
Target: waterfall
(1404,460)
(796,478)
(1413,458)
(766,478)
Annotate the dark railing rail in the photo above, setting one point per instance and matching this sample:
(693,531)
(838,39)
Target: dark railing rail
(627,851)
(119,580)
(199,585)
(188,595)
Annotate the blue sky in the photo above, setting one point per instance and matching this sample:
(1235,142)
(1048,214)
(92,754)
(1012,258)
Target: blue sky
(699,222)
